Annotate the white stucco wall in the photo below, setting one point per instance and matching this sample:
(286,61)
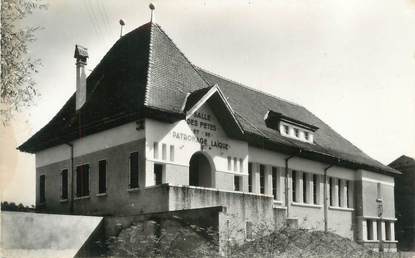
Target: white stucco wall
(91,143)
(184,137)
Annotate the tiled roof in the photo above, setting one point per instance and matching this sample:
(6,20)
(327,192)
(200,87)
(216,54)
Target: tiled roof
(145,74)
(404,164)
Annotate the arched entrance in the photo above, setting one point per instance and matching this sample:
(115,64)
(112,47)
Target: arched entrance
(201,171)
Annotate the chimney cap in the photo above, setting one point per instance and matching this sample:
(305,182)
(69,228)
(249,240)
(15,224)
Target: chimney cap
(81,53)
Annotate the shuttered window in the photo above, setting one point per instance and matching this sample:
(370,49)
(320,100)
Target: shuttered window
(82,180)
(42,181)
(134,170)
(64,183)
(102,176)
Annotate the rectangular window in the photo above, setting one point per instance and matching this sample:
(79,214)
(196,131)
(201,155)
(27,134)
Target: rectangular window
(64,183)
(42,181)
(331,191)
(315,197)
(241,165)
(305,188)
(369,227)
(306,135)
(262,179)
(235,164)
(296,132)
(339,193)
(294,185)
(229,163)
(388,231)
(274,183)
(82,180)
(171,152)
(163,151)
(158,174)
(134,180)
(155,150)
(102,176)
(250,177)
(237,183)
(379,191)
(347,194)
(286,129)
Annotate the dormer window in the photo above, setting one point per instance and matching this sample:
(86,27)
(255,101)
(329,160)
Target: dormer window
(297,132)
(289,127)
(286,129)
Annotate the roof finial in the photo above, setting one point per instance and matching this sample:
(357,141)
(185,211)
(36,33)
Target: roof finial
(152,7)
(122,23)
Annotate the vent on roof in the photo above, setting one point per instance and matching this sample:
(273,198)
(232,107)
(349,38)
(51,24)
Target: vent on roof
(290,127)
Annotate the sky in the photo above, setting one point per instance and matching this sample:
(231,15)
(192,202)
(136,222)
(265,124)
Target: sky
(351,63)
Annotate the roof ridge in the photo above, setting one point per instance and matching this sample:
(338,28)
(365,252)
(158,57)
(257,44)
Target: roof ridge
(181,52)
(248,87)
(150,51)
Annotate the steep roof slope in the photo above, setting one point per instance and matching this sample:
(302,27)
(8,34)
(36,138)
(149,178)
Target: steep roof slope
(115,94)
(145,75)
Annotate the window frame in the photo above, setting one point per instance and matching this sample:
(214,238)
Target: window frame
(129,171)
(250,178)
(262,169)
(99,176)
(294,185)
(76,180)
(42,190)
(67,184)
(162,166)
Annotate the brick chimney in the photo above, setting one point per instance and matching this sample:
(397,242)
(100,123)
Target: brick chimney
(81,55)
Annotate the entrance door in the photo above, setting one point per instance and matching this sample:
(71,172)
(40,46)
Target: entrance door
(200,171)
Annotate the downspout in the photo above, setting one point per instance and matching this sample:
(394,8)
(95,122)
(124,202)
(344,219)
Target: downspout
(286,185)
(325,199)
(72,180)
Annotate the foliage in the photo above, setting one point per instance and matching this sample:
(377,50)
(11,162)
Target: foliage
(11,206)
(18,87)
(168,239)
(176,239)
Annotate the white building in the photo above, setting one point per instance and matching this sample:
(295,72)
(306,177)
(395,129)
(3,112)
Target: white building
(150,132)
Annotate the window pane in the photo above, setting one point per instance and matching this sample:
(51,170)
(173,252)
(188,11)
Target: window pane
(237,183)
(134,170)
(163,151)
(241,168)
(305,187)
(315,198)
(250,177)
(294,185)
(158,174)
(42,181)
(82,180)
(274,183)
(155,150)
(64,194)
(102,176)
(262,179)
(331,191)
(339,193)
(171,152)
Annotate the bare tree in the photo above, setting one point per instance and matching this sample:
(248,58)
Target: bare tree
(18,87)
